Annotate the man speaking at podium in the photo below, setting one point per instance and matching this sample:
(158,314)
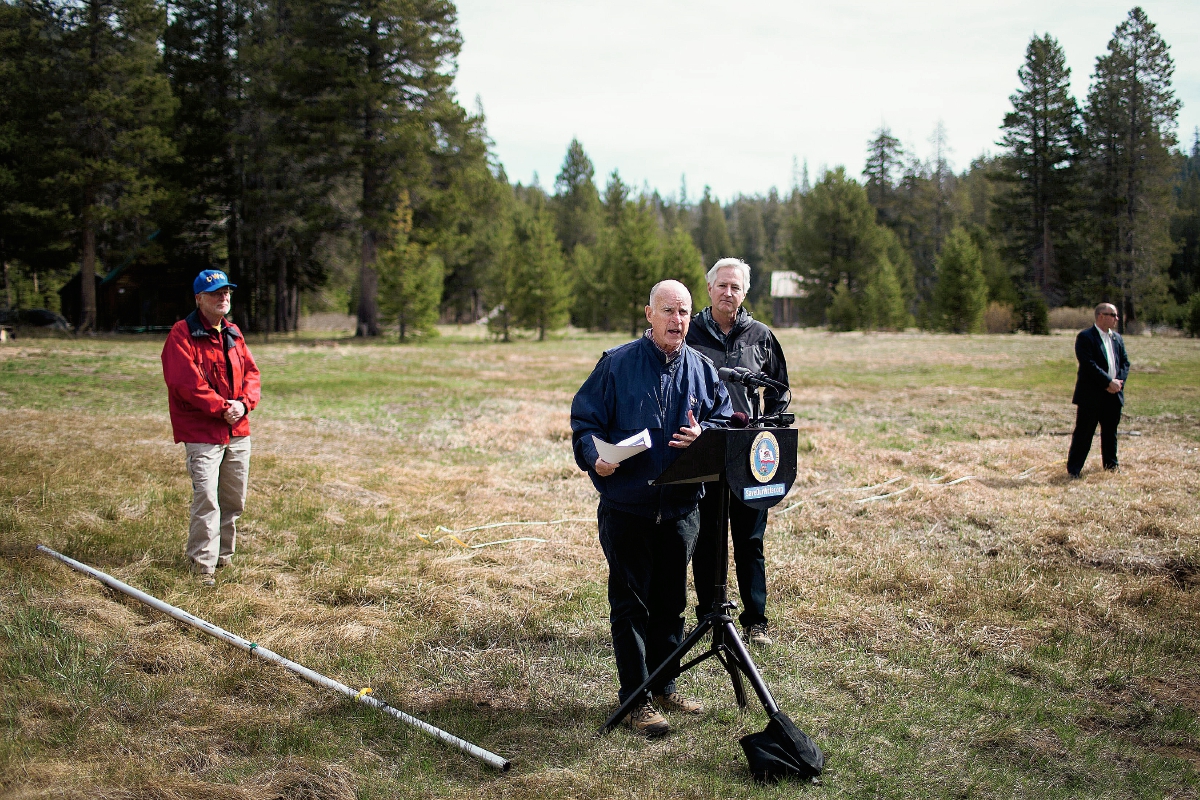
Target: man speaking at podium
(657,384)
(730,337)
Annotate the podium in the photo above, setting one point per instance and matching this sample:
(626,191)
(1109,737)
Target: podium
(758,467)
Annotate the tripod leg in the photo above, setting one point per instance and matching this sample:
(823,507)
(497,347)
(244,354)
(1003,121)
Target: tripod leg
(741,657)
(728,661)
(687,644)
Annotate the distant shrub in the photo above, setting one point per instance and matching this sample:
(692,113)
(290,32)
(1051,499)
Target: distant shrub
(1075,319)
(999,318)
(1191,320)
(1033,315)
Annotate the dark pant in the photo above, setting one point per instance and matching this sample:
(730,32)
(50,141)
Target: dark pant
(647,590)
(1108,414)
(746,527)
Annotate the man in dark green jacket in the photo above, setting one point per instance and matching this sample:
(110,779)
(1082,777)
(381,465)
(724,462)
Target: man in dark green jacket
(730,337)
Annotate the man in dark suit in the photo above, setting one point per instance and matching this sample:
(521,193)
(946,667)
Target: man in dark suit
(1099,389)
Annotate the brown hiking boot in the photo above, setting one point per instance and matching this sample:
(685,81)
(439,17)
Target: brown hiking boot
(646,720)
(757,636)
(678,703)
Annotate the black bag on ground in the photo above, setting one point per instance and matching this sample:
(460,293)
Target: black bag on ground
(782,751)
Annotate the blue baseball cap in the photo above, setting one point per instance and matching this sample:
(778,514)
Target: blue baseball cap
(210,280)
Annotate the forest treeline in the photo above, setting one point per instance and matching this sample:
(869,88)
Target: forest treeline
(319,154)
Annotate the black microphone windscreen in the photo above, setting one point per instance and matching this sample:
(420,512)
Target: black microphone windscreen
(738,419)
(727,374)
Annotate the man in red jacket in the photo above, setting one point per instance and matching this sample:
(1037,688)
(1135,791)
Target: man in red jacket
(212,386)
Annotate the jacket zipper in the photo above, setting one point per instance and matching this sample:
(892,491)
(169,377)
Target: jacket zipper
(663,397)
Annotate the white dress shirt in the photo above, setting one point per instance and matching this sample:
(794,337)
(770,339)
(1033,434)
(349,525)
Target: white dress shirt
(1106,337)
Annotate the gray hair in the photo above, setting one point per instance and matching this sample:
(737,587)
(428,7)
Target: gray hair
(1105,307)
(729,262)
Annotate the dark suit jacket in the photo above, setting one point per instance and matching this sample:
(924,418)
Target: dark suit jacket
(1091,385)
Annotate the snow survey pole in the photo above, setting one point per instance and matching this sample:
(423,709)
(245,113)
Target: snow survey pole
(362,696)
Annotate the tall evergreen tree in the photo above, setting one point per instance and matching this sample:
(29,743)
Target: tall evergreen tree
(541,290)
(635,263)
(115,124)
(34,223)
(1040,136)
(616,197)
(885,158)
(1185,227)
(401,65)
(836,241)
(577,202)
(1130,121)
(712,234)
(681,261)
(961,295)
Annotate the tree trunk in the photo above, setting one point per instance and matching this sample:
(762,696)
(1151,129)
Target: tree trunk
(281,293)
(368,283)
(87,274)
(8,284)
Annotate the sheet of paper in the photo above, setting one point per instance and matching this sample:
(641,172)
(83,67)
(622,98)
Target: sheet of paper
(616,453)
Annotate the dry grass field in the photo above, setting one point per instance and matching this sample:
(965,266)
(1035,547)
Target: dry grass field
(953,617)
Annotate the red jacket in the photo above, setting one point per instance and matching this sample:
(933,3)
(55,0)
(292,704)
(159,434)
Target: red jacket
(203,374)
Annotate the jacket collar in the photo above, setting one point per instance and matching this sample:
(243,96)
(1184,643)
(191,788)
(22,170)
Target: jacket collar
(740,322)
(196,326)
(658,353)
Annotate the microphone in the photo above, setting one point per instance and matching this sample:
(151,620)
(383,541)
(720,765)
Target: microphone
(747,378)
(739,419)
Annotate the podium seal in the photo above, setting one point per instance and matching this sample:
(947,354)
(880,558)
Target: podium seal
(764,457)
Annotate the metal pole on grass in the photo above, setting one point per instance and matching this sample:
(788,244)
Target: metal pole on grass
(362,696)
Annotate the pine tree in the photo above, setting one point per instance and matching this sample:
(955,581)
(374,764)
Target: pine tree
(35,224)
(400,60)
(116,119)
(843,309)
(885,157)
(634,263)
(883,305)
(1130,120)
(960,297)
(712,234)
(577,202)
(616,198)
(1040,137)
(836,241)
(541,291)
(681,262)
(1185,226)
(591,294)
(410,277)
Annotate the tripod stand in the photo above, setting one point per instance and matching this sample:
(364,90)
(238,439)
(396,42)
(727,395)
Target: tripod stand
(722,457)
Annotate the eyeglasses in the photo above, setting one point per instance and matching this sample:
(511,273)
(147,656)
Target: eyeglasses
(1106,314)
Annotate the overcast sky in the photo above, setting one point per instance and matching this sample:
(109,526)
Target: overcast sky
(729,94)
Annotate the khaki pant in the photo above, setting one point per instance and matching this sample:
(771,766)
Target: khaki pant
(219,475)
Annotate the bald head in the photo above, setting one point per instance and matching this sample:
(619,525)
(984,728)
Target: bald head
(669,312)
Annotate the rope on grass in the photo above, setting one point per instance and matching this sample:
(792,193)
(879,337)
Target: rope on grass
(452,534)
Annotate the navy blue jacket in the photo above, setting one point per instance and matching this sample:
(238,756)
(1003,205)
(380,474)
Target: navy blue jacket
(633,387)
(1091,384)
